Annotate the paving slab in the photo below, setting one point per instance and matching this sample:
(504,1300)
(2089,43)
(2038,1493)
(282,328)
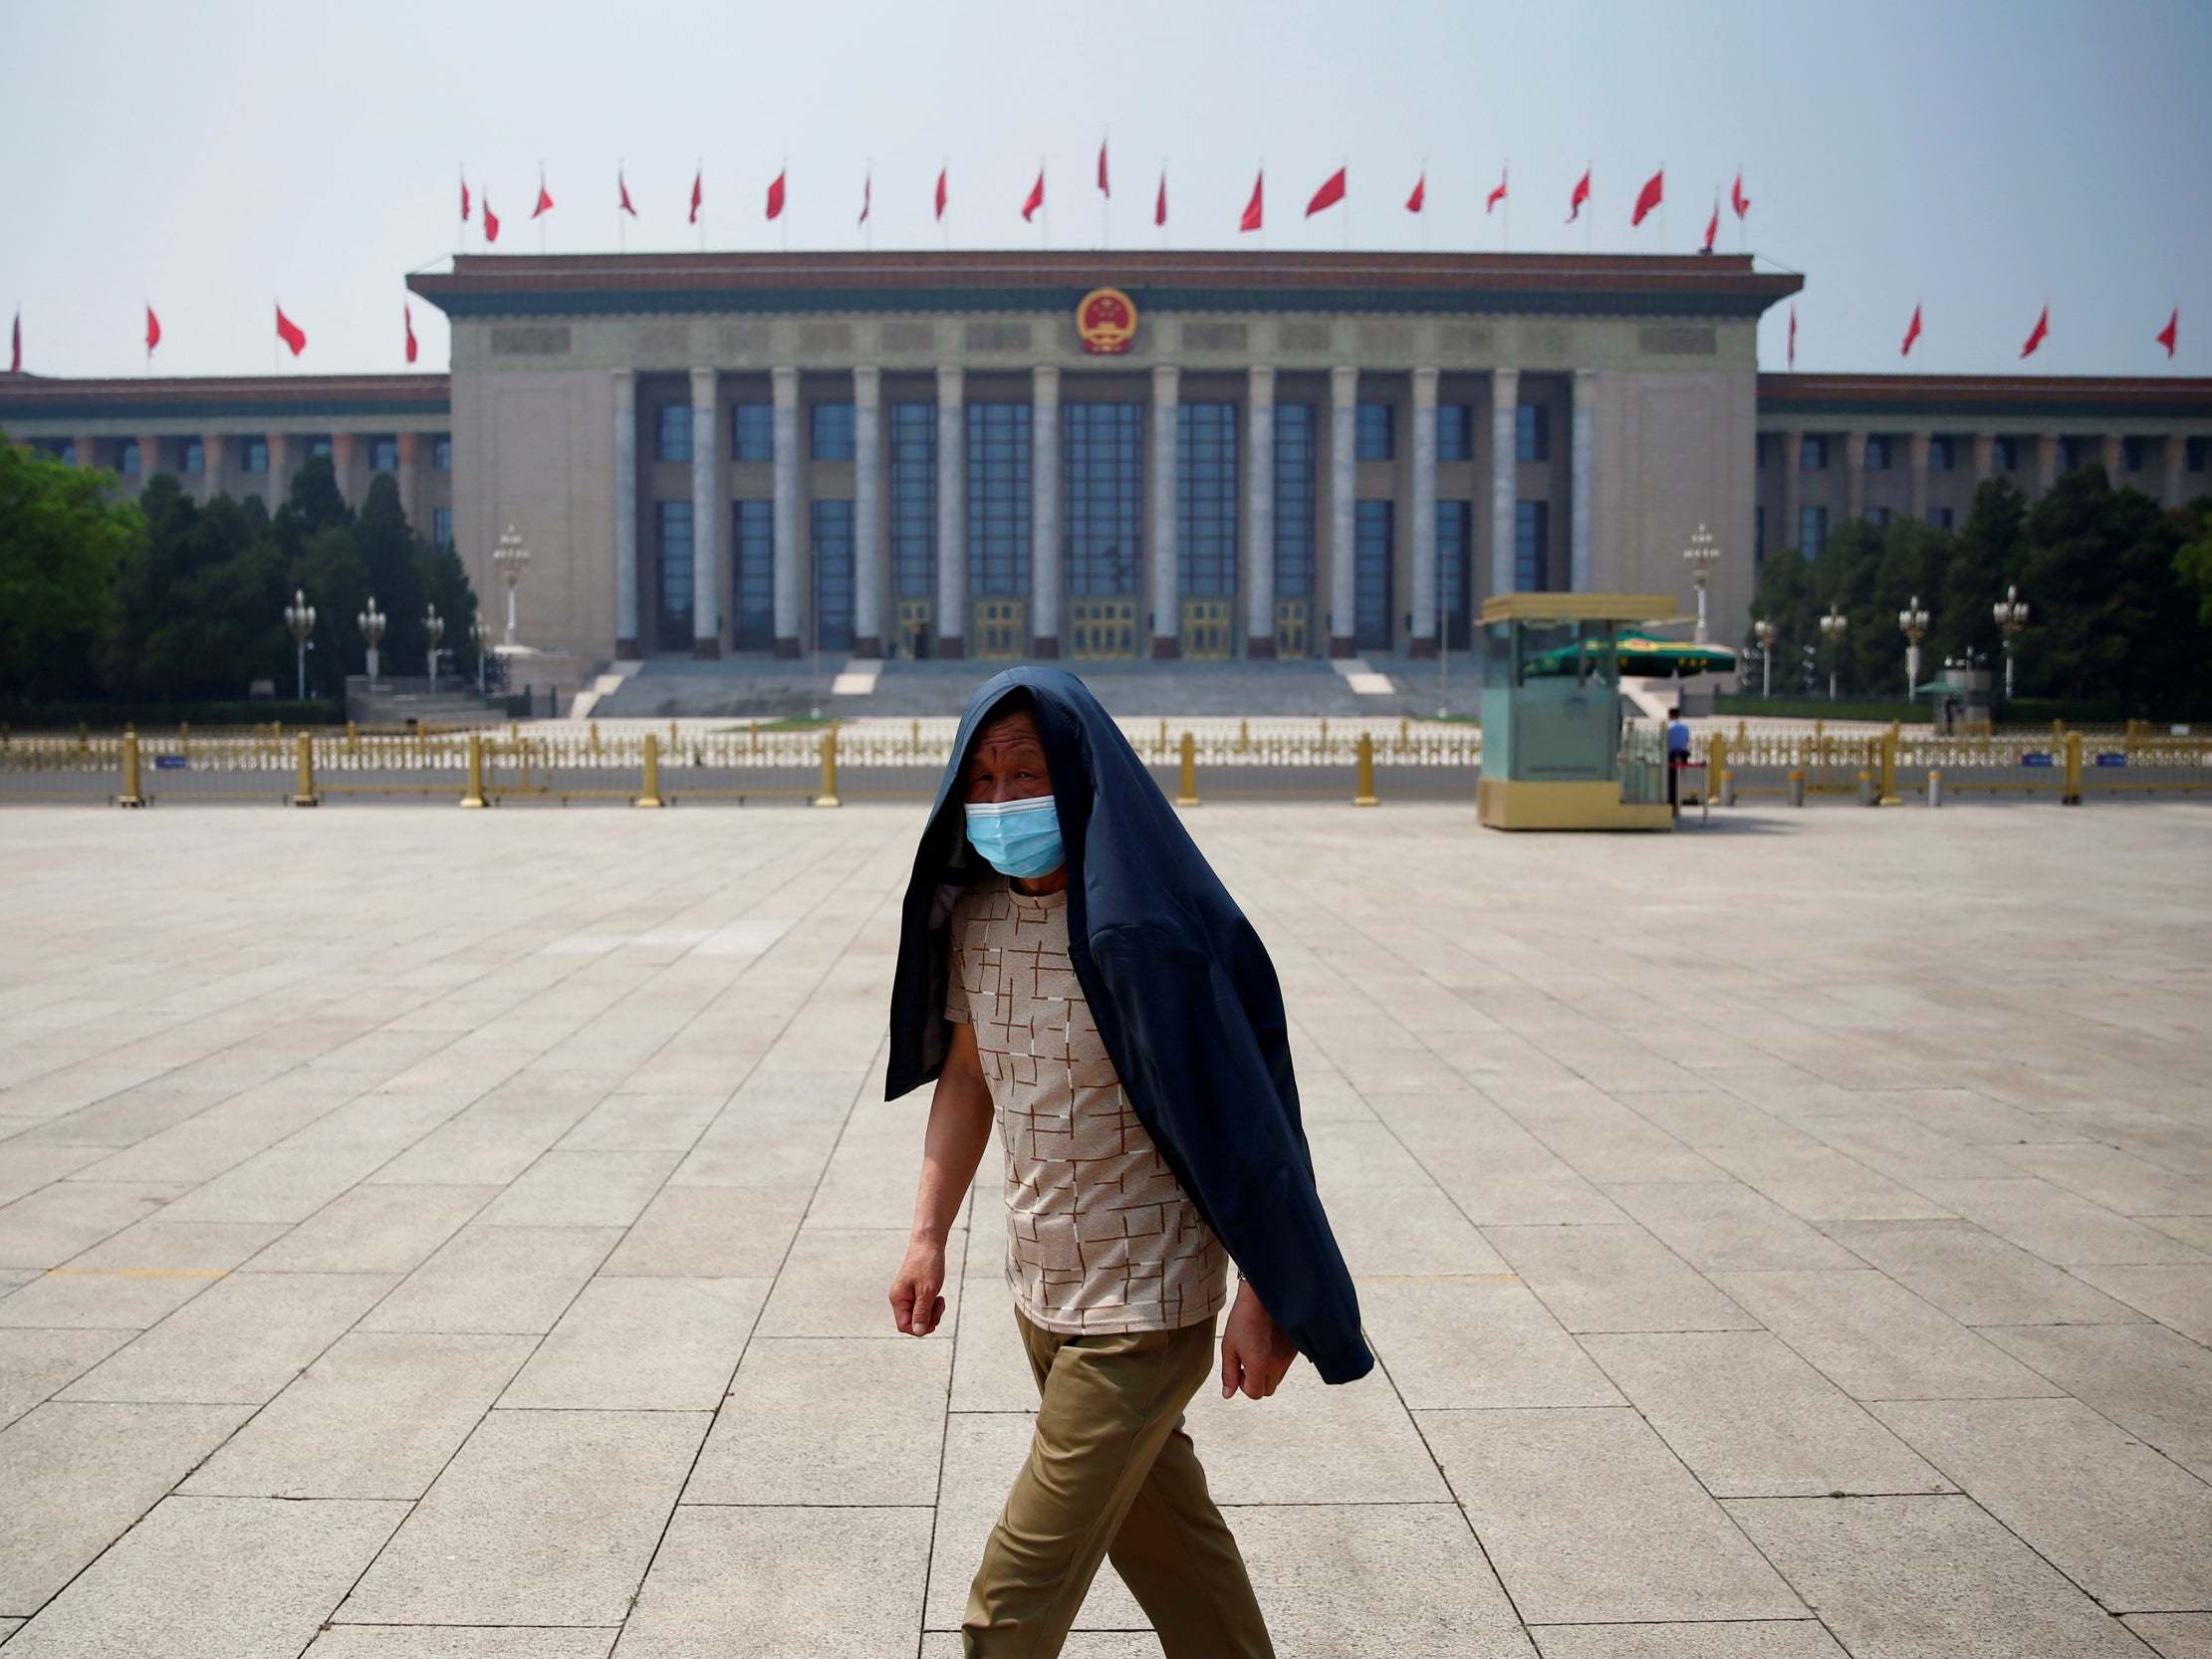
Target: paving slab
(2150,1380)
(2174,1636)
(1310,1443)
(1389,1231)
(809,1420)
(27,1168)
(542,1518)
(713,1233)
(283,1184)
(1978,1278)
(474,1641)
(374,1228)
(642,1344)
(2057,1224)
(1749,1640)
(2178,1296)
(1476,1341)
(496,1280)
(44,1229)
(838,1283)
(642,1124)
(1614,1277)
(2121,1181)
(36,1365)
(218,1577)
(1819,1183)
(1722,1226)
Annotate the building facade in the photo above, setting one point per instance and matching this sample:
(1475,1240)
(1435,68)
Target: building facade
(1094,456)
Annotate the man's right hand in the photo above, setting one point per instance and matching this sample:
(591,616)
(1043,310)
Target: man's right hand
(916,1303)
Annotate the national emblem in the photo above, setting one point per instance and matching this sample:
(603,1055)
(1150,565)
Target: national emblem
(1106,321)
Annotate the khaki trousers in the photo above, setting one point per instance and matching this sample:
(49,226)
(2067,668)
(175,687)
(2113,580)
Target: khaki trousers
(1112,1474)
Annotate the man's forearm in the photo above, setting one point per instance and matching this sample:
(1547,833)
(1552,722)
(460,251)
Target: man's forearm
(959,1128)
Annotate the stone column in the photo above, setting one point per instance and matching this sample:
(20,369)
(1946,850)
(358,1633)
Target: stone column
(1854,475)
(1793,489)
(2177,458)
(1582,533)
(706,515)
(211,464)
(1167,616)
(868,512)
(2113,456)
(1505,478)
(85,446)
(1917,458)
(790,561)
(952,514)
(341,464)
(1259,513)
(1984,445)
(626,515)
(1422,503)
(2047,461)
(1343,491)
(280,470)
(408,476)
(149,458)
(1044,512)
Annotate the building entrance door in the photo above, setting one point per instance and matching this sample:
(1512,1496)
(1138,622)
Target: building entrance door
(915,619)
(1207,632)
(1001,631)
(1102,629)
(1293,628)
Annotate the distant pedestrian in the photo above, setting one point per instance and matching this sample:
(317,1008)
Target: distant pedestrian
(1677,755)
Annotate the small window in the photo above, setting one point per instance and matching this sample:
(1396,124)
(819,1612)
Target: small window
(1532,432)
(2073,452)
(1943,456)
(1762,449)
(191,456)
(1878,452)
(1532,534)
(1812,531)
(1758,536)
(1371,432)
(1878,517)
(2132,454)
(63,450)
(1940,517)
(318,447)
(2192,454)
(672,438)
(833,432)
(442,526)
(127,456)
(256,456)
(442,452)
(2004,454)
(383,455)
(1455,433)
(1814,456)
(753,432)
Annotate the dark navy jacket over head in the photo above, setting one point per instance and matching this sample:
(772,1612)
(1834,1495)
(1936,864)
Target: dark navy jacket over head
(1183,994)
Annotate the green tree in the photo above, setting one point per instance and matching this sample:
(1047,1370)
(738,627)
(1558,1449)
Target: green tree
(446,585)
(2113,621)
(2192,561)
(388,556)
(62,542)
(330,571)
(201,607)
(1985,558)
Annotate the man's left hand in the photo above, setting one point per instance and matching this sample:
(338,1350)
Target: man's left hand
(1256,1353)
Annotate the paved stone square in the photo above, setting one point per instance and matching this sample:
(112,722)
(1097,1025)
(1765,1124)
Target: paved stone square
(441,1234)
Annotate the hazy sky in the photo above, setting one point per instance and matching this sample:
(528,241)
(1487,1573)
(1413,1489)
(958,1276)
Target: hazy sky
(1981,156)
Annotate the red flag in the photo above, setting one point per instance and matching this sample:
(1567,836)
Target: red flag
(1160,202)
(698,197)
(1332,192)
(1652,194)
(1736,197)
(1793,336)
(868,195)
(1251,219)
(1104,188)
(464,196)
(622,184)
(1581,195)
(2171,335)
(1499,195)
(15,344)
(1036,198)
(292,333)
(941,195)
(491,219)
(1712,225)
(153,330)
(1420,193)
(776,196)
(545,203)
(2036,334)
(1913,333)
(407,316)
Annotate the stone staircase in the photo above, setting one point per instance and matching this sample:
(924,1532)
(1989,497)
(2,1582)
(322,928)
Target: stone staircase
(400,701)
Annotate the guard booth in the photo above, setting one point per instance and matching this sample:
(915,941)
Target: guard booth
(1556,753)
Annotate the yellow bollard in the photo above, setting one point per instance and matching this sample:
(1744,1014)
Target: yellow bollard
(1796,787)
(828,795)
(1719,782)
(130,797)
(1935,787)
(1190,793)
(671,734)
(473,796)
(303,791)
(651,795)
(1890,795)
(595,735)
(1244,735)
(2071,795)
(756,737)
(1364,792)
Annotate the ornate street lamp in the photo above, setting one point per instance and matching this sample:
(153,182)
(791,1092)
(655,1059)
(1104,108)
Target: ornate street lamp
(1765,632)
(2011,613)
(510,559)
(1701,556)
(372,623)
(299,616)
(480,637)
(1832,625)
(1913,621)
(433,627)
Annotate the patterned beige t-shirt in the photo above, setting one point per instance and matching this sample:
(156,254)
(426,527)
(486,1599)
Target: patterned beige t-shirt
(1101,1236)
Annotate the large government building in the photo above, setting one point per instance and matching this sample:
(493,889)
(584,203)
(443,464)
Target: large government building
(1113,455)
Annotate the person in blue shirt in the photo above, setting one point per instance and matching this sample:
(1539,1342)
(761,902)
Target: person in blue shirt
(1677,754)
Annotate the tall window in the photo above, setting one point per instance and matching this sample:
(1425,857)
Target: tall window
(383,455)
(320,446)
(2132,454)
(1878,517)
(672,434)
(1455,561)
(1206,500)
(2004,454)
(1878,452)
(998,500)
(1371,432)
(1455,433)
(1102,469)
(1940,517)
(1295,446)
(1812,456)
(1532,544)
(2073,452)
(442,452)
(2192,454)
(130,457)
(672,524)
(833,574)
(1532,432)
(753,432)
(1812,531)
(1758,537)
(442,526)
(1942,454)
(913,507)
(191,455)
(753,550)
(1372,606)
(256,457)
(833,432)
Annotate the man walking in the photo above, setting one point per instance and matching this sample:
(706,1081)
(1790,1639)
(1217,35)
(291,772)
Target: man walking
(1677,756)
(1070,966)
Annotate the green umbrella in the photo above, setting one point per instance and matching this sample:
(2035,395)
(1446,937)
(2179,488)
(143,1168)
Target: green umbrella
(1642,656)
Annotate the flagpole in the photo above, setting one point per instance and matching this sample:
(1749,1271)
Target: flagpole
(1425,204)
(699,177)
(945,216)
(1344,165)
(784,172)
(1505,227)
(1105,194)
(867,206)
(539,216)
(622,231)
(1043,212)
(1590,217)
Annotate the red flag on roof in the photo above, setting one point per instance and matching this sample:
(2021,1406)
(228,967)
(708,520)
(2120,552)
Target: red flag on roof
(1332,192)
(1036,198)
(2036,334)
(1160,202)
(1581,195)
(698,194)
(1652,194)
(2170,334)
(544,201)
(941,172)
(291,333)
(1104,189)
(1712,225)
(868,195)
(1420,193)
(153,330)
(1736,197)
(1251,218)
(408,316)
(464,196)
(15,344)
(1913,333)
(622,184)
(1793,336)
(491,219)
(1499,195)
(776,195)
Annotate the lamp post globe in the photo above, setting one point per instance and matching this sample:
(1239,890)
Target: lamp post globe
(1765,632)
(299,617)
(1701,556)
(434,631)
(371,624)
(1833,624)
(2010,613)
(1912,621)
(510,559)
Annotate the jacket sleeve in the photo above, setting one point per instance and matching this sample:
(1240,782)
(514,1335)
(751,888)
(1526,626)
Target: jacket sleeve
(1197,1077)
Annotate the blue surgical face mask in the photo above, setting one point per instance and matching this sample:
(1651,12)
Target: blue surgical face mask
(1020,838)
